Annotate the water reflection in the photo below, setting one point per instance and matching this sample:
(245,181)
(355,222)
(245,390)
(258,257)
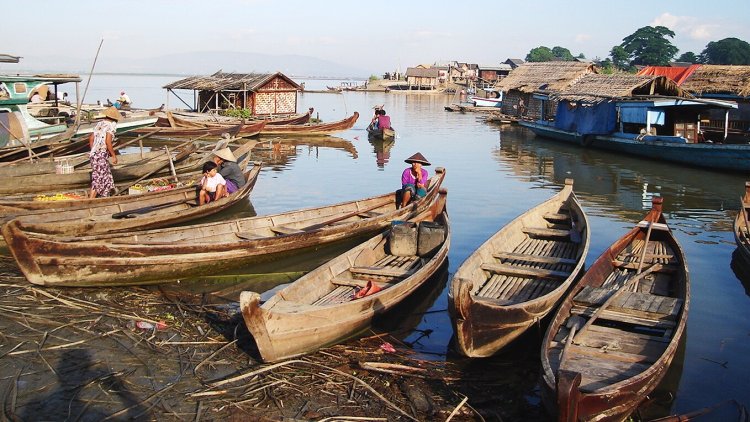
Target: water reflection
(280,151)
(382,150)
(741,269)
(619,184)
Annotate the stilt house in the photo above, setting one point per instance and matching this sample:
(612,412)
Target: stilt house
(262,94)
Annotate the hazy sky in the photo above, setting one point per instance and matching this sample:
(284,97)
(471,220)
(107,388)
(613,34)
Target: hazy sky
(376,35)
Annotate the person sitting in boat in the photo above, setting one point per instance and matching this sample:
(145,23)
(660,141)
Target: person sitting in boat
(123,101)
(374,121)
(413,180)
(212,185)
(229,169)
(384,122)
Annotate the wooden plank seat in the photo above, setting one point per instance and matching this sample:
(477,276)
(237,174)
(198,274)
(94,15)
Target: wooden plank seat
(547,233)
(524,271)
(556,217)
(533,258)
(285,230)
(630,307)
(382,271)
(654,226)
(633,265)
(342,281)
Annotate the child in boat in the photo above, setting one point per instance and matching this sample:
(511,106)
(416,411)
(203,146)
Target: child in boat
(212,184)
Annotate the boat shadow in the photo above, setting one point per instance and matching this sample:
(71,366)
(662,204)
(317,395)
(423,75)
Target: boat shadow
(741,269)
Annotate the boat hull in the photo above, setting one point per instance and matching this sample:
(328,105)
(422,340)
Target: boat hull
(517,277)
(722,157)
(284,328)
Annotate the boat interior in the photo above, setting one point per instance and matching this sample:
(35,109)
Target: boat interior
(617,330)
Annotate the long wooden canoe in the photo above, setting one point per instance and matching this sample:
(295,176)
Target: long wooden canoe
(616,333)
(189,132)
(171,120)
(519,274)
(742,225)
(312,129)
(172,207)
(82,176)
(154,256)
(324,306)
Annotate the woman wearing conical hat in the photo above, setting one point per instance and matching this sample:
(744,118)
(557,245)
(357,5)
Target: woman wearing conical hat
(229,169)
(414,179)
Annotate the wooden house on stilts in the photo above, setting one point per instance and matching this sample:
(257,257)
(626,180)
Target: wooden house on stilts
(518,87)
(261,94)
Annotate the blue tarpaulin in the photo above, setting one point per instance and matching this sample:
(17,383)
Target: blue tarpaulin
(596,119)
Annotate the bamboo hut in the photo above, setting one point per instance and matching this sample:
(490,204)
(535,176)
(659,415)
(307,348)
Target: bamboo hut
(262,94)
(527,78)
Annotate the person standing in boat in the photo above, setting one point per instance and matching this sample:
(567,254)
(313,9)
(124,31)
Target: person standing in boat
(229,169)
(414,179)
(100,144)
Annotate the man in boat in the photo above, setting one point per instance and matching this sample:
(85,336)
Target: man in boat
(123,101)
(229,169)
(384,122)
(413,180)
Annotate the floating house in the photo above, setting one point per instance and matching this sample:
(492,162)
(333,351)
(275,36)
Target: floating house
(647,116)
(715,82)
(422,78)
(262,94)
(523,81)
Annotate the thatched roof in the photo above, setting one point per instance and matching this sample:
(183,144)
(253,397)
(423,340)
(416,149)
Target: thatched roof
(719,79)
(553,76)
(221,81)
(594,88)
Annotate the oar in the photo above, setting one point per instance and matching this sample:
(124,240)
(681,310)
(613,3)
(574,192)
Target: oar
(144,210)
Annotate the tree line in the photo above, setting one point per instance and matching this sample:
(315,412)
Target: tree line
(651,46)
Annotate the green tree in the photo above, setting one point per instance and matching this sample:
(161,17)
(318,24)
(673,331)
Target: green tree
(540,54)
(580,56)
(688,57)
(620,57)
(727,51)
(649,46)
(562,54)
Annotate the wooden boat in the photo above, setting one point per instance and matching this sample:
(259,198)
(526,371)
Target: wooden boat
(189,132)
(82,177)
(171,120)
(617,331)
(384,134)
(742,226)
(147,212)
(518,275)
(63,202)
(340,298)
(312,129)
(154,256)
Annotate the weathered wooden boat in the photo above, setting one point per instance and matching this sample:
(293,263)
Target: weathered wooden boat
(154,256)
(383,134)
(340,298)
(312,129)
(121,172)
(12,206)
(191,131)
(617,331)
(519,275)
(141,213)
(174,121)
(742,226)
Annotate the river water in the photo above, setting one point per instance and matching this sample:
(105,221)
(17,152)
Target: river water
(495,173)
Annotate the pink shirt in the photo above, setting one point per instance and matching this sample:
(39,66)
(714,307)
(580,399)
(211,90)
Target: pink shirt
(407,178)
(384,122)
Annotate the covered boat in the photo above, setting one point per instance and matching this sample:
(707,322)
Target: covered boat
(340,298)
(518,275)
(617,331)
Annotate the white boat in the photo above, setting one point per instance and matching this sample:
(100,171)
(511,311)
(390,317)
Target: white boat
(494,99)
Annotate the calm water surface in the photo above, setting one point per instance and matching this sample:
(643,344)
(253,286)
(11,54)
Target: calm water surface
(494,174)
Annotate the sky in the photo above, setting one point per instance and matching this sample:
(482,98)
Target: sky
(379,35)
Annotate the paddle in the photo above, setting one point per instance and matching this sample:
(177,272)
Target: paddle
(144,210)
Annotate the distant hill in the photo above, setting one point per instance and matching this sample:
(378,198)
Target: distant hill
(199,63)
